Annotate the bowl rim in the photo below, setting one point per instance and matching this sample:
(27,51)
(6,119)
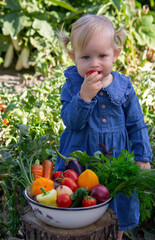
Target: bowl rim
(66,209)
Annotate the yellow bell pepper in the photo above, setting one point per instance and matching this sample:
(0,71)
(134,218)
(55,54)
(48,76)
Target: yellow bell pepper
(47,198)
(88,179)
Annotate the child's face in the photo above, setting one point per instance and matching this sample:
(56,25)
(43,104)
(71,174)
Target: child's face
(99,55)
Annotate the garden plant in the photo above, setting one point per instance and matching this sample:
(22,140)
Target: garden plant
(30,123)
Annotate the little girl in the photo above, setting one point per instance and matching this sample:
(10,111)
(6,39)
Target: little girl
(100,105)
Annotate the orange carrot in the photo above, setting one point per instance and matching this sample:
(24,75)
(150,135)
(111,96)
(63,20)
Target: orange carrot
(47,169)
(37,170)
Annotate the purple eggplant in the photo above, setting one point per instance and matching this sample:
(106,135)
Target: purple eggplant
(71,163)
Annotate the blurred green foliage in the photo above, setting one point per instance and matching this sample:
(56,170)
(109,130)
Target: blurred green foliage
(34,116)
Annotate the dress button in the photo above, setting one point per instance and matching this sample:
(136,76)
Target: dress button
(101,93)
(104,120)
(103,106)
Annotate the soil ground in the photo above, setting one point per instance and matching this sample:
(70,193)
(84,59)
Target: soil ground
(18,82)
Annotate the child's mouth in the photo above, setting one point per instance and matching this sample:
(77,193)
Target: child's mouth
(92,71)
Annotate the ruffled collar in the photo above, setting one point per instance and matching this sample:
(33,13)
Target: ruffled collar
(117,91)
(72,75)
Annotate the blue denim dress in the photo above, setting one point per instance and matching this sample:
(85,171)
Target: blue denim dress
(113,118)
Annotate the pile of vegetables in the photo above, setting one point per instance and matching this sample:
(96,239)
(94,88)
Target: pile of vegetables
(67,189)
(90,180)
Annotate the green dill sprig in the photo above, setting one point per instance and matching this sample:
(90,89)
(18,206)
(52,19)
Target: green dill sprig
(122,175)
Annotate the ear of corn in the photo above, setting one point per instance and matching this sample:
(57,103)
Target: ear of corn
(25,57)
(8,56)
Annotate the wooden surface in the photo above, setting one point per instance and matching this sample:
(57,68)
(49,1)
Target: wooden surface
(106,228)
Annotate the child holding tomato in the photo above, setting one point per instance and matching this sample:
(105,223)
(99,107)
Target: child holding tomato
(100,105)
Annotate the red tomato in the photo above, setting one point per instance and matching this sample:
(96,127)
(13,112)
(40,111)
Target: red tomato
(89,73)
(64,200)
(69,182)
(6,122)
(88,201)
(58,174)
(71,174)
(2,105)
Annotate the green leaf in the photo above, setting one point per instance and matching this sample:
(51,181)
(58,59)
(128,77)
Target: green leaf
(23,129)
(9,108)
(14,23)
(147,20)
(117,3)
(4,43)
(7,185)
(77,154)
(32,8)
(149,31)
(148,34)
(43,28)
(13,4)
(63,5)
(6,155)
(103,8)
(37,43)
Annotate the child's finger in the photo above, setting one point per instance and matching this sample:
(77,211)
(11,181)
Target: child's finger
(91,76)
(95,76)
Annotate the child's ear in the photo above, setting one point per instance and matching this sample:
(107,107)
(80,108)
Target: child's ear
(116,53)
(72,55)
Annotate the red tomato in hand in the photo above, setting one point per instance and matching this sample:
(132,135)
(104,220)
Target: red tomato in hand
(89,73)
(69,182)
(58,174)
(64,200)
(71,174)
(88,201)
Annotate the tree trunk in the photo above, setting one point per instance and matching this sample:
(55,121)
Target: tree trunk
(106,228)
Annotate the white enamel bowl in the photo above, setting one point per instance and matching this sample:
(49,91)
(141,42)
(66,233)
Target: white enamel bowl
(67,217)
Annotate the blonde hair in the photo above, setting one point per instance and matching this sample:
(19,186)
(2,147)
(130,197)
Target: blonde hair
(83,29)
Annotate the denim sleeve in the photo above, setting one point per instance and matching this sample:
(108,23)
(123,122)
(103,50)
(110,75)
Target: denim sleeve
(137,129)
(75,112)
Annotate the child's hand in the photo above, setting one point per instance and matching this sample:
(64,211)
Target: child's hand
(143,165)
(91,86)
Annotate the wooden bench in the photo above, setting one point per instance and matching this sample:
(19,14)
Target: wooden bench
(106,228)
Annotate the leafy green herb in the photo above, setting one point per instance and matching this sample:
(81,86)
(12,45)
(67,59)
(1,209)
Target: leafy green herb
(122,175)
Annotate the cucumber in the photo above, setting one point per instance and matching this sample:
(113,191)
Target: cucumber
(78,196)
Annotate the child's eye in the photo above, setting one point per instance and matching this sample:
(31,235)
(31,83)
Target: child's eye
(85,57)
(102,55)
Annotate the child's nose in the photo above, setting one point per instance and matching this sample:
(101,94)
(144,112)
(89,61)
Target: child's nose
(94,63)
